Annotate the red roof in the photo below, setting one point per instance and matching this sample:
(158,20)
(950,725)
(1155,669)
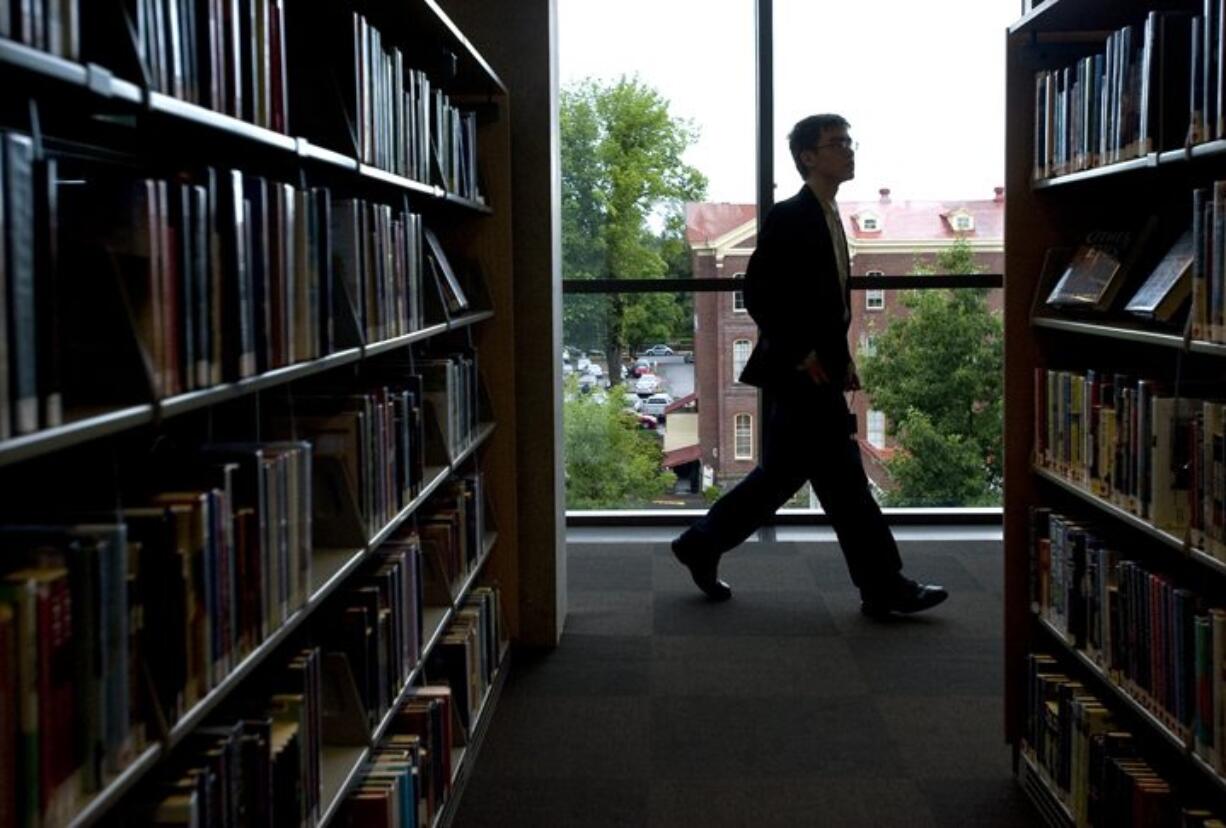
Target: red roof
(681,456)
(900,220)
(679,403)
(707,221)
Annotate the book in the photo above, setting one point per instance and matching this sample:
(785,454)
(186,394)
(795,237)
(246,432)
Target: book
(1168,285)
(452,291)
(1098,268)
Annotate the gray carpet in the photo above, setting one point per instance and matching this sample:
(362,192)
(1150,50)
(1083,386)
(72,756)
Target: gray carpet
(782,707)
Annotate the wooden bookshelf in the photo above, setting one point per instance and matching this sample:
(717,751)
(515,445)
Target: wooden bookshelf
(1055,214)
(65,100)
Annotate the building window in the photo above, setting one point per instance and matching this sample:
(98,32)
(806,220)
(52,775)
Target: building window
(876,429)
(869,223)
(868,345)
(963,222)
(874,299)
(740,355)
(738,296)
(743,442)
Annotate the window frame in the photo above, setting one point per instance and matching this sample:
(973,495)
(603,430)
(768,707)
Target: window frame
(737,369)
(737,420)
(874,423)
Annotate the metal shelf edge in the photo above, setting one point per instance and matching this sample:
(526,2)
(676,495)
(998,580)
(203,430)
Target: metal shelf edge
(118,787)
(1111,509)
(27,446)
(332,808)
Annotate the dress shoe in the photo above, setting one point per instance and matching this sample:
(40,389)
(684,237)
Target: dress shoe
(704,569)
(905,596)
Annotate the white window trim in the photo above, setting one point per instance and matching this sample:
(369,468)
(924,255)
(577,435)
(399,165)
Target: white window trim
(738,368)
(871,295)
(736,444)
(738,294)
(875,427)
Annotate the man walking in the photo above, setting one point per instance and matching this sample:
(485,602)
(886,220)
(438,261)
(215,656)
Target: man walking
(796,290)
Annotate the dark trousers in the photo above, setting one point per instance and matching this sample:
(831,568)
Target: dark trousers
(807,438)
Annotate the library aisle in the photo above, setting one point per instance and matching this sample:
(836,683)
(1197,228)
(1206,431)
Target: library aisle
(782,707)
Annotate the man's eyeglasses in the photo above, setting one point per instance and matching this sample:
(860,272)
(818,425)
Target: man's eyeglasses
(845,144)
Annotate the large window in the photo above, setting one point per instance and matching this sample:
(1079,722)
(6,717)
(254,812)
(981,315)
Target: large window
(744,437)
(641,121)
(650,307)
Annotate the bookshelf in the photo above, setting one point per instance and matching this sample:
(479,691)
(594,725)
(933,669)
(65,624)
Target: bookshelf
(1086,504)
(105,107)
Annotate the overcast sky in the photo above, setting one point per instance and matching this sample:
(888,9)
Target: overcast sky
(921,83)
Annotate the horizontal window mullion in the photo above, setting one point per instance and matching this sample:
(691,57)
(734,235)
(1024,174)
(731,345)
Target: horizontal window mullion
(611,286)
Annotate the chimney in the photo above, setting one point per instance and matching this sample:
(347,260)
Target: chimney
(1000,194)
(885,195)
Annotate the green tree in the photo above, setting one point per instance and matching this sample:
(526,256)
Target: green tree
(622,173)
(610,462)
(937,375)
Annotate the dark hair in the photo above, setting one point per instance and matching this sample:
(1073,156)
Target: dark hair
(808,131)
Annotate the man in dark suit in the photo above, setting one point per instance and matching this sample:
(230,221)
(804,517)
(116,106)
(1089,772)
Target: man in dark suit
(796,289)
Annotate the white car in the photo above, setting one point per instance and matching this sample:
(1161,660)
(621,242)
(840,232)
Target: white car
(633,401)
(647,384)
(656,403)
(595,370)
(583,364)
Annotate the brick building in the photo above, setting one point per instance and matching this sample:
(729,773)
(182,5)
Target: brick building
(885,237)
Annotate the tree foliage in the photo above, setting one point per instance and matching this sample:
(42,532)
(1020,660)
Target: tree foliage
(610,462)
(937,375)
(622,173)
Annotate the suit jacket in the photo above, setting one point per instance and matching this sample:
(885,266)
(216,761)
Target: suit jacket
(792,291)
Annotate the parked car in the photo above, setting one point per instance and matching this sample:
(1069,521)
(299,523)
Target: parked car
(647,384)
(583,363)
(586,383)
(641,366)
(656,403)
(595,370)
(646,421)
(633,402)
(658,350)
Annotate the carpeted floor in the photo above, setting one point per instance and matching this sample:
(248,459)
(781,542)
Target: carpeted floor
(782,707)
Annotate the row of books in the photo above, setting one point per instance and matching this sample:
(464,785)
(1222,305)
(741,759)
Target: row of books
(452,385)
(260,761)
(1208,249)
(215,276)
(227,275)
(125,621)
(410,777)
(256,765)
(51,25)
(1162,642)
(379,624)
(1096,111)
(468,656)
(1154,85)
(400,121)
(1135,445)
(1092,762)
(226,55)
(236,57)
(452,531)
(381,627)
(1135,623)
(370,449)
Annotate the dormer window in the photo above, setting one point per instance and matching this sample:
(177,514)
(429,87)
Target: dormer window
(962,222)
(869,222)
